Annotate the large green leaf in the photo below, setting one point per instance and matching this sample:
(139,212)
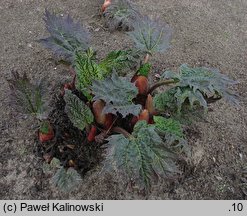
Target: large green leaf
(65,179)
(118,94)
(210,82)
(195,86)
(142,157)
(78,112)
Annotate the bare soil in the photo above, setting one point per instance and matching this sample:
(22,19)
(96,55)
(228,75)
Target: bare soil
(206,33)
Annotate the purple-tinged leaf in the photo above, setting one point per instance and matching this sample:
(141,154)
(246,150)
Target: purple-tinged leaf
(66,37)
(151,35)
(27,97)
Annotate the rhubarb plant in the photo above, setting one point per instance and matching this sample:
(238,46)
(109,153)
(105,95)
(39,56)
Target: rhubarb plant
(136,123)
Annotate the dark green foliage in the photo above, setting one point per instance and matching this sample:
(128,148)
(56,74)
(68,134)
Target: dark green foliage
(120,15)
(118,94)
(29,98)
(67,37)
(78,112)
(142,157)
(150,35)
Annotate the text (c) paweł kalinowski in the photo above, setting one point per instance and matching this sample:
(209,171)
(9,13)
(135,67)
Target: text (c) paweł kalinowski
(61,207)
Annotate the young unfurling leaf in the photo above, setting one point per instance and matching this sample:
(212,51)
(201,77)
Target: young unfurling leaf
(118,93)
(144,70)
(142,157)
(67,37)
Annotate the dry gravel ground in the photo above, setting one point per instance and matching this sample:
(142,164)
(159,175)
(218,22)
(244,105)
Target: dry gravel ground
(206,33)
